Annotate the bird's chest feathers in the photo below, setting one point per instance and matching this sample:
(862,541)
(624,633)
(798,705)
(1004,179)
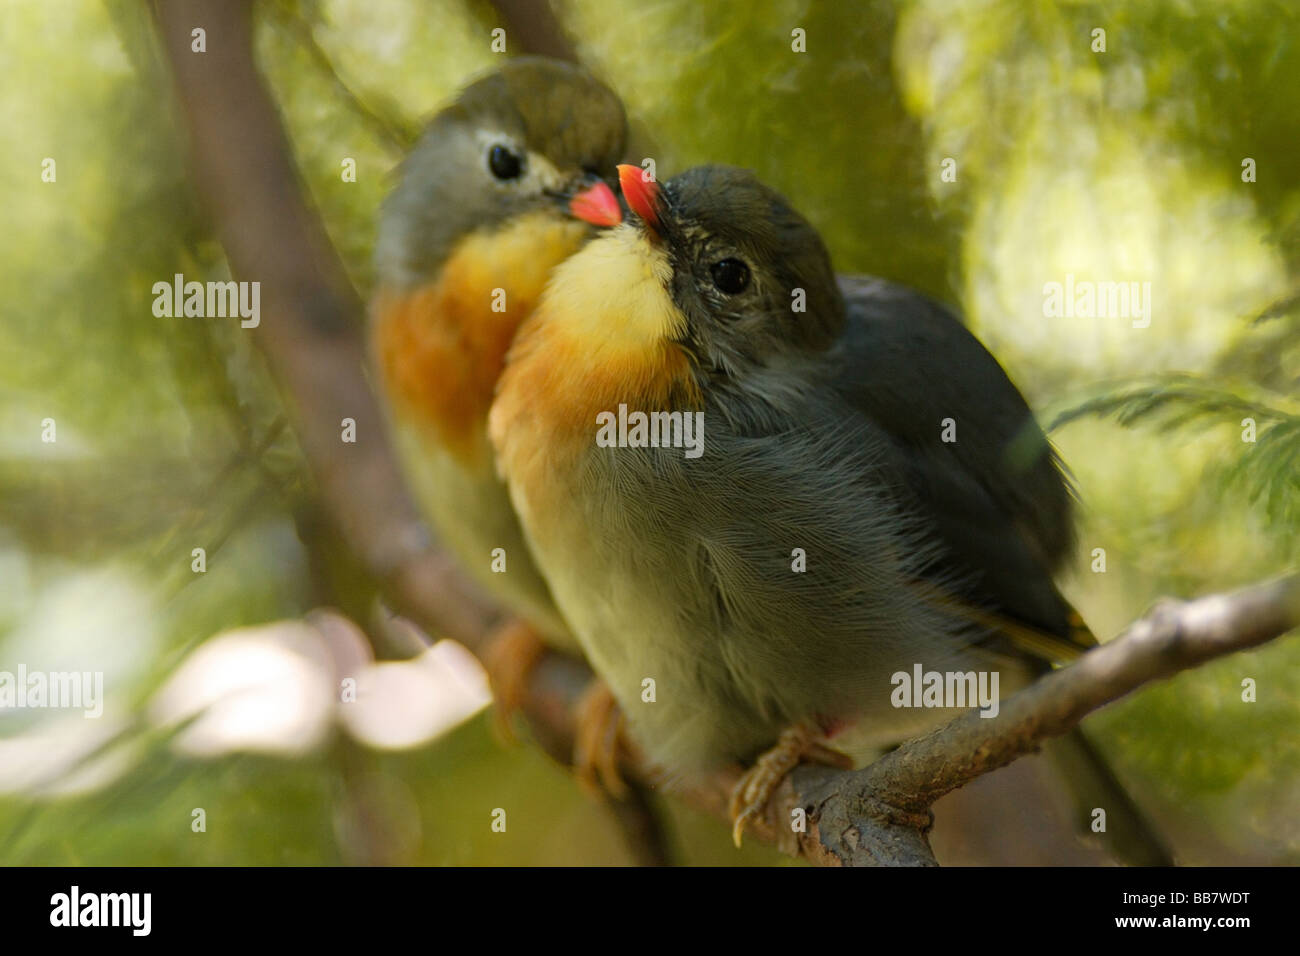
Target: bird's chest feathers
(441,346)
(601,337)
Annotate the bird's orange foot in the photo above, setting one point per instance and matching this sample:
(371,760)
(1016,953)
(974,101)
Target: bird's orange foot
(598,741)
(801,743)
(512,654)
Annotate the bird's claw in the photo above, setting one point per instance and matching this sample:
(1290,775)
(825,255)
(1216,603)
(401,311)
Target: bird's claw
(598,741)
(800,743)
(512,654)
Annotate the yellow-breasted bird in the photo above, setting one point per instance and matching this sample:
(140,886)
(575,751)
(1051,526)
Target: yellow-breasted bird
(505,183)
(770,569)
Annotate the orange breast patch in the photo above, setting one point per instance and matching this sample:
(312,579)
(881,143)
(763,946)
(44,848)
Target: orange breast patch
(440,347)
(552,390)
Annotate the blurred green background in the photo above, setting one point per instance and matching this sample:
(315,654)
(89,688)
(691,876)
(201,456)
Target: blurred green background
(1120,165)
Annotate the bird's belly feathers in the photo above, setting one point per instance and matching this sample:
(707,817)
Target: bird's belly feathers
(679,578)
(616,586)
(469,509)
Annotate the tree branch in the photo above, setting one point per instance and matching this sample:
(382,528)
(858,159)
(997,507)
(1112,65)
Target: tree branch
(309,336)
(532,27)
(311,316)
(387,124)
(880,814)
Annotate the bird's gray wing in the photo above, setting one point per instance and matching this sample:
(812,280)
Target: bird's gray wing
(997,496)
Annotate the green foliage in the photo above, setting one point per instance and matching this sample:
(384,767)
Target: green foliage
(1267,475)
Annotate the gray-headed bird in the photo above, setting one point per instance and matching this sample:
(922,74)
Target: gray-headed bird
(734,475)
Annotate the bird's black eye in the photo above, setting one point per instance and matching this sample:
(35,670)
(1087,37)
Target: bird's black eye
(503,163)
(730,275)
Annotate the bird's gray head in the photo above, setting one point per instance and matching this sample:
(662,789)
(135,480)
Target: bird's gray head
(749,274)
(533,135)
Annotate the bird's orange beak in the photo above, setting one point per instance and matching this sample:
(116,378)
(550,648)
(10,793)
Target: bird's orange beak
(642,197)
(597,205)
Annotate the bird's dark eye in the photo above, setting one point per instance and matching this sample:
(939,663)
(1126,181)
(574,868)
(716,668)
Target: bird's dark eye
(730,275)
(503,163)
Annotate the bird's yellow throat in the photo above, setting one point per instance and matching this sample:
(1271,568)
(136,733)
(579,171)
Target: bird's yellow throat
(613,295)
(601,336)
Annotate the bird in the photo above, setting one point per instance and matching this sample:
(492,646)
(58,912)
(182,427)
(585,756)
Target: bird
(749,576)
(504,184)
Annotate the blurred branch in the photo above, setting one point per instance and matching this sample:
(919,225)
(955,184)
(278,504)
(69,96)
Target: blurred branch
(309,335)
(311,316)
(1287,305)
(532,27)
(395,133)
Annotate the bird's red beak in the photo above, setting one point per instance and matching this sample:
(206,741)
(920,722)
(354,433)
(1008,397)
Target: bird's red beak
(597,205)
(642,197)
